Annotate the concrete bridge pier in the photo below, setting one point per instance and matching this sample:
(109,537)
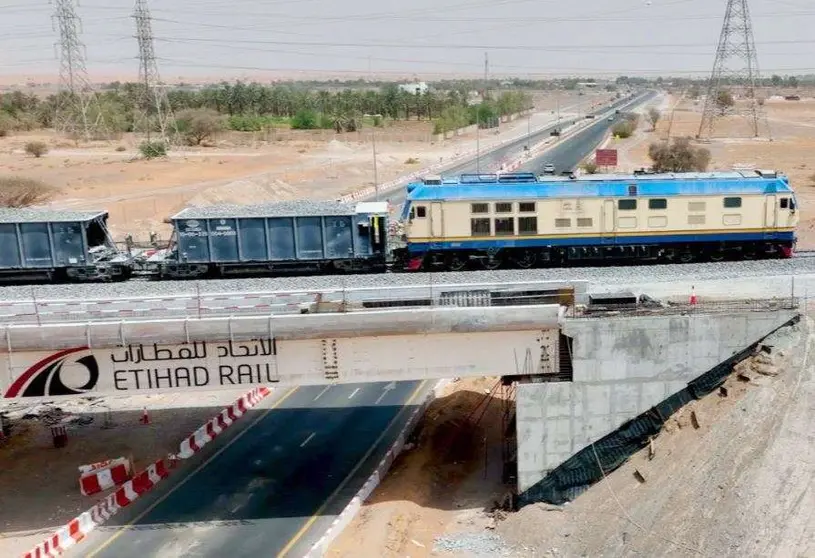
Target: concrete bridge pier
(622,366)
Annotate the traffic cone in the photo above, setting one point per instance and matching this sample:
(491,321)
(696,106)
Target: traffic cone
(145,418)
(693,299)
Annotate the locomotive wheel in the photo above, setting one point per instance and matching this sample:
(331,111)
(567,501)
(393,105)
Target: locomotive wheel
(525,259)
(491,262)
(716,256)
(686,257)
(455,262)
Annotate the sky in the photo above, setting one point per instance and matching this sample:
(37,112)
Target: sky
(427,39)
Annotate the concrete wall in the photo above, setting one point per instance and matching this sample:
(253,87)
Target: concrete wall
(622,367)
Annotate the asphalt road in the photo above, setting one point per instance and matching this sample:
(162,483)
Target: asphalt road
(565,156)
(276,486)
(568,154)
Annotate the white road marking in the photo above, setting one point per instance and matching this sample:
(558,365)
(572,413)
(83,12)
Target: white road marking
(322,392)
(307,440)
(353,393)
(386,389)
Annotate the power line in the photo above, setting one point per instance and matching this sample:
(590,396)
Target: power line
(154,94)
(73,115)
(736,64)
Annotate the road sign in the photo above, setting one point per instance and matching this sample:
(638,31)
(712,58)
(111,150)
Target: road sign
(606,158)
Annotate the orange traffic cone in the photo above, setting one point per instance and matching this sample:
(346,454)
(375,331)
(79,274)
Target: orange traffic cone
(145,418)
(693,299)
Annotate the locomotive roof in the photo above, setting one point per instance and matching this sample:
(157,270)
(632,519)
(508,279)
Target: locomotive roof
(607,186)
(34,215)
(288,208)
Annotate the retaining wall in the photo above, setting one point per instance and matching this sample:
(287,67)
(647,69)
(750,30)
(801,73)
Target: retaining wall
(623,366)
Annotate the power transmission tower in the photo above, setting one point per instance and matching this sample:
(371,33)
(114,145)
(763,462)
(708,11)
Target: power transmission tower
(154,102)
(736,64)
(75,96)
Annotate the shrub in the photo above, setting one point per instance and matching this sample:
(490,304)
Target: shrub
(153,149)
(7,124)
(678,156)
(197,125)
(16,191)
(121,148)
(304,120)
(412,161)
(590,167)
(36,148)
(623,129)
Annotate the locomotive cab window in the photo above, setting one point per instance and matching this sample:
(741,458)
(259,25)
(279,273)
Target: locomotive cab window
(527,225)
(503,207)
(627,205)
(480,227)
(421,212)
(732,202)
(660,203)
(526,207)
(784,202)
(479,208)
(505,226)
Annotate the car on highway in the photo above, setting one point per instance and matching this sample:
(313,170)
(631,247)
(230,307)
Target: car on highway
(548,168)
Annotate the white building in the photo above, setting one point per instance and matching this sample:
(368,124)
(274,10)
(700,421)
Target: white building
(417,88)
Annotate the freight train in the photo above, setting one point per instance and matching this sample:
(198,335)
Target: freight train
(470,222)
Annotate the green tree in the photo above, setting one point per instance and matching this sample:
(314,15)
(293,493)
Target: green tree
(197,125)
(653,117)
(678,156)
(724,100)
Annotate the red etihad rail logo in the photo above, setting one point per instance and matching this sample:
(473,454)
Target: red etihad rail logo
(44,379)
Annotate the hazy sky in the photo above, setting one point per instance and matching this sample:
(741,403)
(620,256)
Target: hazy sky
(425,37)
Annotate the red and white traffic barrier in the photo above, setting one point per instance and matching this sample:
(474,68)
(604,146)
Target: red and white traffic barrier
(79,527)
(96,480)
(223,420)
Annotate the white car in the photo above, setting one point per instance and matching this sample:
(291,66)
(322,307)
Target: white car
(548,168)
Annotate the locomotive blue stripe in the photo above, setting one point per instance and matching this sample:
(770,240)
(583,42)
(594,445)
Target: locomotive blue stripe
(488,243)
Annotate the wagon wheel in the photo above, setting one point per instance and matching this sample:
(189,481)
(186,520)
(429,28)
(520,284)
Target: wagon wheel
(525,259)
(455,262)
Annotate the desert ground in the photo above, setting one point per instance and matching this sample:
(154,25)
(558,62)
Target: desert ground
(243,168)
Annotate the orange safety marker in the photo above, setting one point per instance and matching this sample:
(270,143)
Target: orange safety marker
(693,299)
(145,418)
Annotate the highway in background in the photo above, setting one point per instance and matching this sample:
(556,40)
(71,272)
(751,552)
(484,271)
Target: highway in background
(275,487)
(565,155)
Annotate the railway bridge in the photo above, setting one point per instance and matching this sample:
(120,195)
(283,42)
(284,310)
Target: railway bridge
(581,369)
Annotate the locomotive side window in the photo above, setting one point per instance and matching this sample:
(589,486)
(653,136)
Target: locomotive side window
(503,207)
(480,227)
(527,225)
(526,207)
(479,208)
(584,221)
(505,226)
(627,205)
(563,223)
(660,203)
(421,211)
(732,202)
(785,202)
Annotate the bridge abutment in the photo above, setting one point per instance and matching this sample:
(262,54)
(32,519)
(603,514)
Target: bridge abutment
(623,366)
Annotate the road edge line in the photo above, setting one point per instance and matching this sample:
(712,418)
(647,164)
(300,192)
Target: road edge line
(350,511)
(78,528)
